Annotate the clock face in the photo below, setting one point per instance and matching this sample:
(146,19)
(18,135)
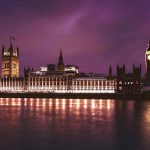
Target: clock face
(148,57)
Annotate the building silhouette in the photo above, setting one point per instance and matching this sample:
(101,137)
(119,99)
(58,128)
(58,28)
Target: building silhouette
(129,82)
(60,64)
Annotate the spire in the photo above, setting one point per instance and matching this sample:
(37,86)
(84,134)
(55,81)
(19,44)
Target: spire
(3,49)
(148,49)
(140,68)
(133,67)
(60,61)
(10,41)
(110,71)
(124,68)
(17,51)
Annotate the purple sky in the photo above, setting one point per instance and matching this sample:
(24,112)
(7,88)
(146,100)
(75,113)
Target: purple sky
(92,33)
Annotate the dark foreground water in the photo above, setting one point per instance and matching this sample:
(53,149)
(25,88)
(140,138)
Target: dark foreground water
(74,124)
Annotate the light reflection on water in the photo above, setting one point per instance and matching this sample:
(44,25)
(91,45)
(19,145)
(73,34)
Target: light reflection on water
(74,124)
(59,103)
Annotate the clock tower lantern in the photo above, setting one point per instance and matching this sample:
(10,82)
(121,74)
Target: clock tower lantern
(147,60)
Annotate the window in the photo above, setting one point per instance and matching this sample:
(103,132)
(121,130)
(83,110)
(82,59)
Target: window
(120,88)
(14,65)
(7,65)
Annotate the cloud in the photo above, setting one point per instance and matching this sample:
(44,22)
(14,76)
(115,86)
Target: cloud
(93,34)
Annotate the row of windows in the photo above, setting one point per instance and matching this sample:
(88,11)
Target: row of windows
(88,83)
(48,83)
(65,79)
(135,82)
(11,84)
(96,88)
(46,88)
(48,79)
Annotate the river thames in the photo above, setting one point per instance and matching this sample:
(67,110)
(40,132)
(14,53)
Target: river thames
(74,124)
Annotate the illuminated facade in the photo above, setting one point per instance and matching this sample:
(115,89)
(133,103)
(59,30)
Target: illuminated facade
(12,85)
(57,84)
(147,75)
(64,83)
(10,62)
(147,60)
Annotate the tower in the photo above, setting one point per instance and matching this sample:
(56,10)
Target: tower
(10,62)
(60,64)
(147,60)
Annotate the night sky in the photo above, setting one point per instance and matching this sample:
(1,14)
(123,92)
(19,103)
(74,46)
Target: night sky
(92,33)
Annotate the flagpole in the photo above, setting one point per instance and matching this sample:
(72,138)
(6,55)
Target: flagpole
(10,41)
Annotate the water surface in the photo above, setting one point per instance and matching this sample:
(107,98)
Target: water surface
(74,124)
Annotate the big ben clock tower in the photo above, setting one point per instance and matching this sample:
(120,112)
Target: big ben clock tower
(147,60)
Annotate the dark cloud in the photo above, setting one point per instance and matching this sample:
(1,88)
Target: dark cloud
(93,34)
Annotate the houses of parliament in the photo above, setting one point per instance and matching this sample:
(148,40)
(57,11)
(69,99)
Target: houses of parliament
(61,78)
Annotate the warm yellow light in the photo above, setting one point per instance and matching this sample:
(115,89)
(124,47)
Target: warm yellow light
(148,57)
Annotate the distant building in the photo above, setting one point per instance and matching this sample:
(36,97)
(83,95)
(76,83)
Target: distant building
(10,62)
(129,82)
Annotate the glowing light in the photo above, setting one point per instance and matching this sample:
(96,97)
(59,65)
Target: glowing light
(148,57)
(70,103)
(63,103)
(108,104)
(100,102)
(85,103)
(93,104)
(78,103)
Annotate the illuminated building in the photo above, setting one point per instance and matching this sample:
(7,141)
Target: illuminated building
(12,85)
(60,78)
(147,75)
(10,62)
(64,83)
(147,60)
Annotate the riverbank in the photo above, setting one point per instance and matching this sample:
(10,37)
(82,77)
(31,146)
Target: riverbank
(140,96)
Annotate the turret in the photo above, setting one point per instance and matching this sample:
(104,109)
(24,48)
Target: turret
(3,49)
(17,51)
(124,68)
(110,71)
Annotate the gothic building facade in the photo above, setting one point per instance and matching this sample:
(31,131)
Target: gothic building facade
(61,78)
(10,62)
(129,82)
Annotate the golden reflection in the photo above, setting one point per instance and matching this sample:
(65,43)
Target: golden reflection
(108,104)
(100,103)
(70,103)
(85,103)
(50,103)
(63,103)
(93,104)
(77,105)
